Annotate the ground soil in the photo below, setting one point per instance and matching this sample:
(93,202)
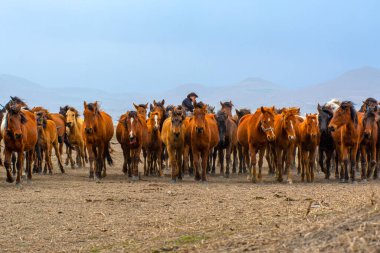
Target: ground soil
(69,213)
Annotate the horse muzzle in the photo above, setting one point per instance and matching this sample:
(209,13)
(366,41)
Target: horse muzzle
(68,124)
(271,138)
(367,135)
(176,134)
(89,130)
(199,130)
(291,137)
(18,136)
(331,128)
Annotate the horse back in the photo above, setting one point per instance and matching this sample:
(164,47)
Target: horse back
(30,134)
(213,130)
(108,124)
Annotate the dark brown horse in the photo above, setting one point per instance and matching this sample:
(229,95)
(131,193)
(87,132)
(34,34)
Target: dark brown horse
(370,142)
(19,130)
(97,131)
(227,142)
(348,126)
(204,136)
(129,133)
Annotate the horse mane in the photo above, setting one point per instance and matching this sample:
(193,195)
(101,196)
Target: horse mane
(73,110)
(169,108)
(17,100)
(350,105)
(199,105)
(16,109)
(132,114)
(40,108)
(227,104)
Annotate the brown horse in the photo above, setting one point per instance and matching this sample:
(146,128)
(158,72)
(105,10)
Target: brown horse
(227,108)
(204,136)
(173,136)
(97,130)
(60,122)
(284,146)
(227,141)
(159,107)
(47,140)
(129,133)
(308,137)
(370,142)
(254,132)
(19,130)
(142,112)
(239,115)
(347,124)
(154,147)
(74,134)
(2,112)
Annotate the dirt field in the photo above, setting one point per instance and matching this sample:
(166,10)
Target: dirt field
(69,213)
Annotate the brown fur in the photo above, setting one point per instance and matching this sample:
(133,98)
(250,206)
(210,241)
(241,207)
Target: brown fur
(20,135)
(154,147)
(97,131)
(74,133)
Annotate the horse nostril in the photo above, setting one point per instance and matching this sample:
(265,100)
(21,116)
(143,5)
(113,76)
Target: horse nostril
(88,130)
(18,136)
(331,128)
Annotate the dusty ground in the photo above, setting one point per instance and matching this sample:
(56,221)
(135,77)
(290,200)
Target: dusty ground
(68,213)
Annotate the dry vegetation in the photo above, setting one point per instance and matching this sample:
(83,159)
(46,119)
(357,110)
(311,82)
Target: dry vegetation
(69,213)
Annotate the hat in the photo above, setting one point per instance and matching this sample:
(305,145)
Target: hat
(192,94)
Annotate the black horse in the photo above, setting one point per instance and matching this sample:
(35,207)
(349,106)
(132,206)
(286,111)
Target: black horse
(326,142)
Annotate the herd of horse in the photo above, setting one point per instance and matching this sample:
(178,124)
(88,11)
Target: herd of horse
(168,136)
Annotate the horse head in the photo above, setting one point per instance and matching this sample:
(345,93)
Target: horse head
(15,118)
(345,114)
(312,125)
(221,119)
(288,121)
(71,117)
(141,109)
(177,120)
(90,113)
(199,116)
(131,123)
(325,115)
(267,122)
(370,119)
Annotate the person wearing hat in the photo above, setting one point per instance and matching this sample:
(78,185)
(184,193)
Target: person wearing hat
(188,102)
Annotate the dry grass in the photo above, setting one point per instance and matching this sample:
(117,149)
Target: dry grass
(68,213)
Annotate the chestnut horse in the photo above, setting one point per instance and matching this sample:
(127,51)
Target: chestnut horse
(19,130)
(60,122)
(239,114)
(154,147)
(74,134)
(284,145)
(347,124)
(308,137)
(98,131)
(142,112)
(326,146)
(2,112)
(47,140)
(204,136)
(254,133)
(129,133)
(173,136)
(370,143)
(227,141)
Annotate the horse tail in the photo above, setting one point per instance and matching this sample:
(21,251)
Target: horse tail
(108,155)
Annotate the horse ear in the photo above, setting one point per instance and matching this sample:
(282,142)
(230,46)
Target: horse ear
(146,105)
(84,104)
(319,107)
(163,101)
(135,106)
(221,103)
(231,103)
(237,111)
(154,102)
(151,106)
(262,109)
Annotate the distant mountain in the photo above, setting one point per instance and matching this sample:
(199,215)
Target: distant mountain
(355,85)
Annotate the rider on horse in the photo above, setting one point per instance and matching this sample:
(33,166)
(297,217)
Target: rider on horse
(188,102)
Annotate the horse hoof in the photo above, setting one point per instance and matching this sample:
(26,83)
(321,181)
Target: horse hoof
(29,181)
(290,182)
(18,185)
(173,181)
(9,180)
(364,181)
(135,178)
(354,182)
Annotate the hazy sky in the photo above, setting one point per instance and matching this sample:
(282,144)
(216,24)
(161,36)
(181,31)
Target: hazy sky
(135,45)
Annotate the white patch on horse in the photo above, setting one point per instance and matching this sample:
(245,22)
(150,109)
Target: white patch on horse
(4,122)
(131,133)
(156,120)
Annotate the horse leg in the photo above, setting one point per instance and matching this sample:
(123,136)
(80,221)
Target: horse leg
(252,151)
(90,151)
(228,159)
(303,154)
(197,176)
(29,158)
(344,170)
(160,163)
(234,163)
(7,165)
(20,163)
(179,163)
(205,155)
(279,164)
(261,160)
(353,153)
(329,155)
(67,155)
(247,162)
(299,159)
(145,153)
(186,160)
(373,164)
(221,160)
(48,155)
(136,159)
(289,162)
(173,162)
(100,160)
(14,161)
(58,155)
